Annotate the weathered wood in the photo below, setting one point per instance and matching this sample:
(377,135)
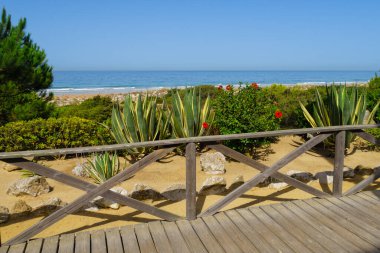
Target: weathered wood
(18,248)
(98,242)
(368,137)
(190,236)
(339,163)
(4,249)
(261,167)
(260,177)
(144,238)
(128,236)
(373,194)
(206,236)
(34,246)
(83,242)
(160,239)
(66,243)
(50,244)
(178,244)
(113,238)
(191,175)
(364,183)
(86,186)
(171,142)
(74,206)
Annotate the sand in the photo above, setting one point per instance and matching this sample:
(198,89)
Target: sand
(160,175)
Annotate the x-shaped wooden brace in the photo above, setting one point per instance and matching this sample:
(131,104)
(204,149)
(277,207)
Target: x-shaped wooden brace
(92,192)
(266,172)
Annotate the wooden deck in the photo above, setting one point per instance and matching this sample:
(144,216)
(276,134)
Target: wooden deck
(346,224)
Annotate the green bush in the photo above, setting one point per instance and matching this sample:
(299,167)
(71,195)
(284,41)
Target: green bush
(98,109)
(245,110)
(373,95)
(51,134)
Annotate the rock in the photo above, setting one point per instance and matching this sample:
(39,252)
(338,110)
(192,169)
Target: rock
(213,163)
(238,181)
(213,185)
(90,207)
(363,171)
(277,186)
(325,177)
(175,192)
(9,167)
(20,208)
(302,176)
(267,181)
(4,214)
(348,173)
(143,192)
(49,206)
(107,203)
(34,186)
(80,171)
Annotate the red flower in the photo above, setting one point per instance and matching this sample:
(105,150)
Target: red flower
(205,125)
(278,114)
(220,87)
(255,86)
(228,87)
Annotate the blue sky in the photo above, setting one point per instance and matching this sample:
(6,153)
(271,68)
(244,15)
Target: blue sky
(204,34)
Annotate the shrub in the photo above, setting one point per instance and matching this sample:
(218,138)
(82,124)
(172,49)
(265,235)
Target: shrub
(102,167)
(52,134)
(373,95)
(245,110)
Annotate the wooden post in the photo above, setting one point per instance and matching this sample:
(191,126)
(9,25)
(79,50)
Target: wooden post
(340,140)
(191,192)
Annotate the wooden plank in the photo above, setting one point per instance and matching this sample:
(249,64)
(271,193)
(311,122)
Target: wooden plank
(129,239)
(207,238)
(250,232)
(50,244)
(299,222)
(368,198)
(370,210)
(86,186)
(4,249)
(17,248)
(318,224)
(221,235)
(178,244)
(191,183)
(180,141)
(83,242)
(364,183)
(287,236)
(235,234)
(368,137)
(340,146)
(113,238)
(340,229)
(373,194)
(291,227)
(144,238)
(34,246)
(160,239)
(261,167)
(98,242)
(260,177)
(262,228)
(66,243)
(78,203)
(190,236)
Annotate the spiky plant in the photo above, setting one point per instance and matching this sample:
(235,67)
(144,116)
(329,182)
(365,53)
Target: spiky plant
(188,117)
(341,107)
(102,167)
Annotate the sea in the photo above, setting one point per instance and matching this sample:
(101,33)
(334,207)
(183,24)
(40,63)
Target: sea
(103,82)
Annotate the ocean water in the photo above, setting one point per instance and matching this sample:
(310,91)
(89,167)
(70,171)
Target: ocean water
(92,82)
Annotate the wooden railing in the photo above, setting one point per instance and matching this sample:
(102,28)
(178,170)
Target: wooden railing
(167,146)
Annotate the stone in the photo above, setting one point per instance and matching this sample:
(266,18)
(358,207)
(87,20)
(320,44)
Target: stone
(325,177)
(33,186)
(363,171)
(213,163)
(4,214)
(143,192)
(175,192)
(277,186)
(107,203)
(267,181)
(9,167)
(80,171)
(348,173)
(213,185)
(20,208)
(49,206)
(238,181)
(90,207)
(302,176)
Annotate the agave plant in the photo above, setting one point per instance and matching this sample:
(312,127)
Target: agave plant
(102,167)
(139,121)
(340,108)
(188,117)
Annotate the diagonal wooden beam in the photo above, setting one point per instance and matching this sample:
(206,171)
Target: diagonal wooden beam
(261,167)
(258,178)
(368,137)
(364,183)
(78,203)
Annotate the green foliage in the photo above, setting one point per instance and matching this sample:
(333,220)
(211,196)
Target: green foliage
(102,167)
(23,70)
(188,117)
(138,122)
(340,108)
(373,95)
(52,134)
(98,109)
(245,110)
(31,107)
